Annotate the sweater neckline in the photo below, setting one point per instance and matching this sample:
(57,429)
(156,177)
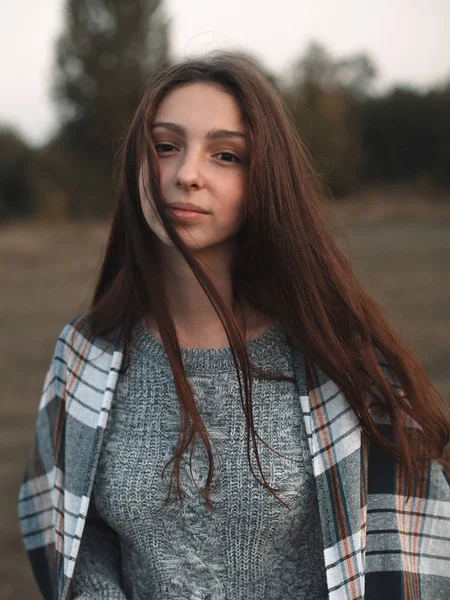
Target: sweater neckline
(210,360)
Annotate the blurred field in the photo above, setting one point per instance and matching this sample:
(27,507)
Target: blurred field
(47,272)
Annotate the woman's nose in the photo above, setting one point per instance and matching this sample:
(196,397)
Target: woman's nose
(189,171)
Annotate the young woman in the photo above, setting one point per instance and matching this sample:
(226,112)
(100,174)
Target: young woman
(234,417)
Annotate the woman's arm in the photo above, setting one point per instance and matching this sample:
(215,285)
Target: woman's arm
(40,495)
(97,570)
(41,498)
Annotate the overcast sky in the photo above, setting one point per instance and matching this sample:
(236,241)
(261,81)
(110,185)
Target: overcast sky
(408,40)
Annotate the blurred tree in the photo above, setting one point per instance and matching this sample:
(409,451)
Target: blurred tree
(108,50)
(326,97)
(16,190)
(49,174)
(439,100)
(356,74)
(407,135)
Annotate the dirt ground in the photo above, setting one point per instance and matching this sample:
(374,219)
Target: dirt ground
(47,273)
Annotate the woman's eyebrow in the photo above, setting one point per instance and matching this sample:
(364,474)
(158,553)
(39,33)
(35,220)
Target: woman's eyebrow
(214,134)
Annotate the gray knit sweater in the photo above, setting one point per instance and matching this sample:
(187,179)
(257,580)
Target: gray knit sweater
(253,547)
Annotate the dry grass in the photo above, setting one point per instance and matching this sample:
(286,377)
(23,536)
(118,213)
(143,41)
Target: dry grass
(47,273)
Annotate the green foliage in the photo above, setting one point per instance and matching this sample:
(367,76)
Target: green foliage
(104,57)
(407,135)
(16,192)
(325,97)
(355,137)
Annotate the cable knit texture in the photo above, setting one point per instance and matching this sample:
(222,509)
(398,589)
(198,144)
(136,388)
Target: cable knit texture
(253,547)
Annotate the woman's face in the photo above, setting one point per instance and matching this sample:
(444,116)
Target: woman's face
(198,134)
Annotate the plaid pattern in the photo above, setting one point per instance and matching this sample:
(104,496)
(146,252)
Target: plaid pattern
(377,544)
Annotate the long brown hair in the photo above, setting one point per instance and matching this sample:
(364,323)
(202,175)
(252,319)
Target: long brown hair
(287,266)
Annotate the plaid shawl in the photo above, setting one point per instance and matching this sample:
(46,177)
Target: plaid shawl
(377,544)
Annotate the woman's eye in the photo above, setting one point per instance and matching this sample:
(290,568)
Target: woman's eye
(164,148)
(233,157)
(163,145)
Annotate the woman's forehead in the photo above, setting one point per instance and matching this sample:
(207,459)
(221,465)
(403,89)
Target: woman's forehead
(200,106)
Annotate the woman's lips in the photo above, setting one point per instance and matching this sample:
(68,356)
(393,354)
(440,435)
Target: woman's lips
(179,214)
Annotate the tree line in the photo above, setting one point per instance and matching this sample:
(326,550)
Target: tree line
(106,54)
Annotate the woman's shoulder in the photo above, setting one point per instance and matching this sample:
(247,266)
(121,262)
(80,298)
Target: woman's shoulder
(76,341)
